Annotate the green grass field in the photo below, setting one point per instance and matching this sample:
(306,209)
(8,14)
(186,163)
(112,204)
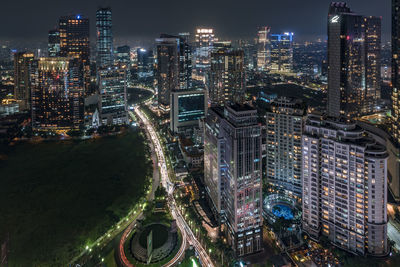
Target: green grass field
(137,95)
(56,197)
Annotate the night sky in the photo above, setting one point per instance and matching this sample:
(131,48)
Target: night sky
(145,19)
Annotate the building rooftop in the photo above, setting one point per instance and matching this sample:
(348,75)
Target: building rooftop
(241,107)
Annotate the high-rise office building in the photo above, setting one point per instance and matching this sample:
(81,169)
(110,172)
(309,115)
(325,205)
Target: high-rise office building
(57,93)
(263,48)
(204,42)
(353,59)
(5,53)
(22,84)
(281,53)
(344,181)
(123,55)
(53,45)
(145,62)
(74,37)
(372,56)
(113,104)
(227,81)
(174,67)
(396,70)
(187,108)
(185,61)
(250,54)
(284,122)
(167,70)
(232,174)
(75,42)
(104,44)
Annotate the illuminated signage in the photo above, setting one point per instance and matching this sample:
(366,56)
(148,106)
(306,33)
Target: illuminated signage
(335,19)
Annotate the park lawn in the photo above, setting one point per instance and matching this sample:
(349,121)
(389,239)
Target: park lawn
(56,197)
(109,261)
(137,95)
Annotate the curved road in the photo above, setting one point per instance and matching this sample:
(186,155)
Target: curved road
(187,234)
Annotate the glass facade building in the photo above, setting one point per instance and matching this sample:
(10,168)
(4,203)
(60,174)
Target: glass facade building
(57,93)
(22,83)
(354,62)
(233,176)
(396,70)
(113,104)
(281,54)
(187,108)
(54,43)
(74,37)
(204,43)
(263,48)
(174,67)
(227,79)
(104,45)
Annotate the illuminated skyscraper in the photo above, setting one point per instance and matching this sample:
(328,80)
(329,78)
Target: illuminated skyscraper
(281,52)
(263,48)
(22,84)
(54,43)
(174,67)
(113,104)
(57,93)
(284,122)
(185,61)
(344,178)
(74,37)
(167,70)
(204,43)
(250,54)
(396,70)
(227,80)
(232,174)
(123,55)
(372,63)
(104,37)
(353,59)
(145,62)
(74,42)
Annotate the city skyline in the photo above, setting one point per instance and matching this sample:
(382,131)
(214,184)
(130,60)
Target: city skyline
(211,134)
(228,21)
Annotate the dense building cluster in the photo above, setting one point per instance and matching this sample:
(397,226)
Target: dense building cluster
(325,159)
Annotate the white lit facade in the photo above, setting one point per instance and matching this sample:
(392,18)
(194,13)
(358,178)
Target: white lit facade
(344,186)
(204,43)
(284,122)
(263,48)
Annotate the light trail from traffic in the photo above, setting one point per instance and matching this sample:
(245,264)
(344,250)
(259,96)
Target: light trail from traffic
(187,234)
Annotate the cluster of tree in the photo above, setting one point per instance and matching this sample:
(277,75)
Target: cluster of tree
(220,251)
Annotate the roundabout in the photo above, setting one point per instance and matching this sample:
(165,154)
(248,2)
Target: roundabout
(164,240)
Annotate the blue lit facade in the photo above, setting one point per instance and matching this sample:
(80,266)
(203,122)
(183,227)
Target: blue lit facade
(187,108)
(190,107)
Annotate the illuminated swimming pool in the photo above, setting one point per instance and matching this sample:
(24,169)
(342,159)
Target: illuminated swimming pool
(284,211)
